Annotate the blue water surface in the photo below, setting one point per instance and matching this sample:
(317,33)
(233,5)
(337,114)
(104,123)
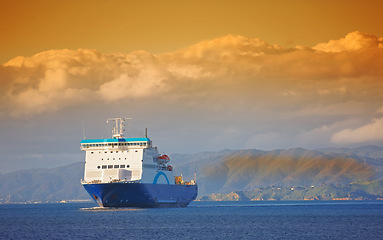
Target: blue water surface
(200,220)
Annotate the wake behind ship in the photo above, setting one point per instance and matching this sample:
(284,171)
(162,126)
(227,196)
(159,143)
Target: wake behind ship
(130,172)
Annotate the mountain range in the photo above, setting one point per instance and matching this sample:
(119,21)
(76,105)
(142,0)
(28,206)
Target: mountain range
(217,172)
(47,185)
(249,169)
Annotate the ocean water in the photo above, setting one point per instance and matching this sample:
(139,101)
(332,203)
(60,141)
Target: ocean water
(200,220)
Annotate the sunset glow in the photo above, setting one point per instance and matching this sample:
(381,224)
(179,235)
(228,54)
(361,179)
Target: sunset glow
(201,76)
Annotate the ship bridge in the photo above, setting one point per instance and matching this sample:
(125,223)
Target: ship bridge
(115,143)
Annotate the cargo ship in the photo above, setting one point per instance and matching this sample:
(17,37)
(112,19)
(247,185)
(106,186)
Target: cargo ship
(130,172)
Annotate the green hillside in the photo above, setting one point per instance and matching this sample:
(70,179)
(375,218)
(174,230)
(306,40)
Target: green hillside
(248,169)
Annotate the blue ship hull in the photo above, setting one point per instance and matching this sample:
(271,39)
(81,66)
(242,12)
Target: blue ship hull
(141,194)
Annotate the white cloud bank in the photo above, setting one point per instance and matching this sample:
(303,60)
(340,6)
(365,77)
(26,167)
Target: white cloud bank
(352,42)
(232,77)
(371,132)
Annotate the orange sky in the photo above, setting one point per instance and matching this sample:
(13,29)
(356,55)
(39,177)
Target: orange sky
(201,75)
(29,27)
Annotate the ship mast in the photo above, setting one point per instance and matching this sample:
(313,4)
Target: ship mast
(118,126)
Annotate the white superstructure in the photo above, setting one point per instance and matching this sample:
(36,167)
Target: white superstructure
(120,159)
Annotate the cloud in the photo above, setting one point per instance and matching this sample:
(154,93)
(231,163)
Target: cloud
(34,101)
(370,132)
(234,68)
(380,110)
(55,79)
(352,42)
(146,83)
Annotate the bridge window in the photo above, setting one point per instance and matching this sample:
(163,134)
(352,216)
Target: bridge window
(103,166)
(122,166)
(116,166)
(110,166)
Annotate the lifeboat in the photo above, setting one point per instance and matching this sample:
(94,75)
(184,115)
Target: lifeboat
(163,159)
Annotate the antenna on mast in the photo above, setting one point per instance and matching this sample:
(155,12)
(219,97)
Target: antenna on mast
(83,129)
(118,126)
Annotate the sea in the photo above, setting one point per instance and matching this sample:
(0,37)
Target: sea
(200,220)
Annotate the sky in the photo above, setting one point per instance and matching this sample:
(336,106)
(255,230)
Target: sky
(200,75)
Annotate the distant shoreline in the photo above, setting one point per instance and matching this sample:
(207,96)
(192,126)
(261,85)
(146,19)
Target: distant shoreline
(357,191)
